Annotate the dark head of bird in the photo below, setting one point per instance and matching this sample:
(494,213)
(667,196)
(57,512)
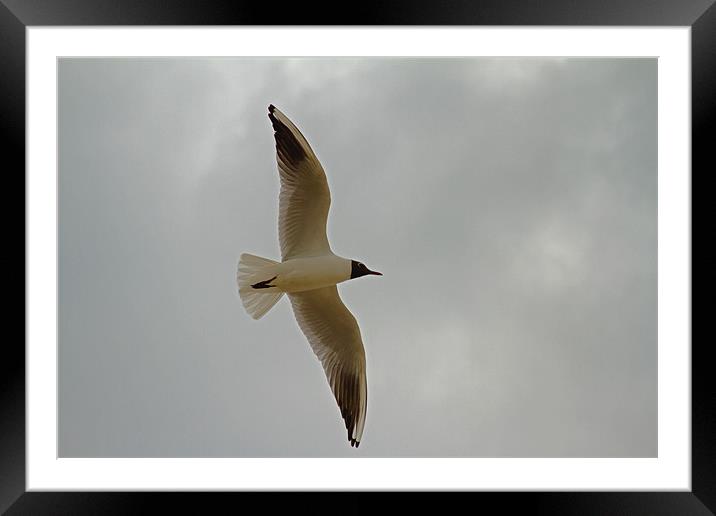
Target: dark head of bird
(358,269)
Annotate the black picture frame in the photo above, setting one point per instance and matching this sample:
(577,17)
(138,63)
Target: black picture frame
(700,15)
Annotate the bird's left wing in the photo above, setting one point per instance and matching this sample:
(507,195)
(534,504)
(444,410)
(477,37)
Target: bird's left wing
(335,338)
(305,199)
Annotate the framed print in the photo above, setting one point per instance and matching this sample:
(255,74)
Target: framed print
(522,181)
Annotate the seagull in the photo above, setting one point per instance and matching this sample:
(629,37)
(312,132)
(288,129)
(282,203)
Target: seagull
(308,273)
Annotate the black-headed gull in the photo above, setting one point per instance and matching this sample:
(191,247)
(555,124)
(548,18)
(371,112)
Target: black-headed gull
(309,272)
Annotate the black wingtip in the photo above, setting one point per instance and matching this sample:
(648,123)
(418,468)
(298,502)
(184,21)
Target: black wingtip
(272,108)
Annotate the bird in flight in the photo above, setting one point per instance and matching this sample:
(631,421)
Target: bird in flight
(308,273)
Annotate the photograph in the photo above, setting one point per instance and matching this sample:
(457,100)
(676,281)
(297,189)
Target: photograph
(385,257)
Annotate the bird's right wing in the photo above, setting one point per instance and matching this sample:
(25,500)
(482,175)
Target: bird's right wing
(305,198)
(335,338)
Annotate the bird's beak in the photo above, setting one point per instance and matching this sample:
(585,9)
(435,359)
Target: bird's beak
(375,272)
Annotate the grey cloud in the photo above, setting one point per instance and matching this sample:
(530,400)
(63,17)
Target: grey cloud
(511,204)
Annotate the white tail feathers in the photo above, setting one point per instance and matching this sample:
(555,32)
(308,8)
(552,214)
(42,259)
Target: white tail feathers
(254,269)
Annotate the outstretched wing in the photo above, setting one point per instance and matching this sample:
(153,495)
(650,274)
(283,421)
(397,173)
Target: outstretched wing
(305,198)
(335,338)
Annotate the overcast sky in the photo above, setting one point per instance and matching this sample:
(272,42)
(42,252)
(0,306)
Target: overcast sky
(510,203)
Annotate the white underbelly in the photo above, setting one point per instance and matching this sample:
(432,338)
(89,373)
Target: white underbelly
(302,274)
